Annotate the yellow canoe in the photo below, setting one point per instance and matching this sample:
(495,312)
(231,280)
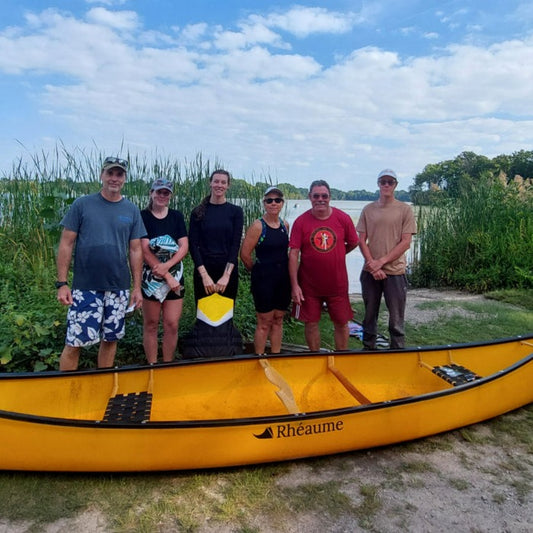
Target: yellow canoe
(245,410)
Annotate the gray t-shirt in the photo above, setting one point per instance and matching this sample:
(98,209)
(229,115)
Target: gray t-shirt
(104,230)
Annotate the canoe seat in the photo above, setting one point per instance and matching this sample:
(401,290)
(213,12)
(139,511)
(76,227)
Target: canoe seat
(455,374)
(132,407)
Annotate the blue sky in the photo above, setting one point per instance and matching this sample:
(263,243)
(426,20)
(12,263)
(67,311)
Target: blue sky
(335,90)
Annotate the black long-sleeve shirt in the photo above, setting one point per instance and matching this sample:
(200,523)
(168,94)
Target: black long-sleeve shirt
(217,235)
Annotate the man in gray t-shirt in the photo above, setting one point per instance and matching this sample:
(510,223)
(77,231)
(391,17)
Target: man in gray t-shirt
(103,231)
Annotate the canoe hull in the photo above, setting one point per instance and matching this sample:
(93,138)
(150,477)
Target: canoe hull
(53,443)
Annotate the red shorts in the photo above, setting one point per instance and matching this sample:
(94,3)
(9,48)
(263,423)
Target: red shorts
(339,308)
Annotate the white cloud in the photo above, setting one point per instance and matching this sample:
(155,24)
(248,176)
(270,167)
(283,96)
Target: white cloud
(226,92)
(303,21)
(119,20)
(408,30)
(109,3)
(192,33)
(249,35)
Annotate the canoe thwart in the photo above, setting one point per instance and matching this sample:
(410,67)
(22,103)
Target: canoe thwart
(348,385)
(132,407)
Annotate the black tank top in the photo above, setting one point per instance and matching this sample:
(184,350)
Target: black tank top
(272,245)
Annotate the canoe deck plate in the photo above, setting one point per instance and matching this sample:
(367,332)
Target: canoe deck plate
(132,407)
(455,374)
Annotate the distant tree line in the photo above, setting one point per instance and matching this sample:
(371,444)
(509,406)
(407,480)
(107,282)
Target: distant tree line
(240,188)
(436,182)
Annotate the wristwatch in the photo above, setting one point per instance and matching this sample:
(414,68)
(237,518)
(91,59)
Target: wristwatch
(59,284)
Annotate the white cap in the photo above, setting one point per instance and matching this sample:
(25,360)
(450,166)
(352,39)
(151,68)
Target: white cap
(273,189)
(388,172)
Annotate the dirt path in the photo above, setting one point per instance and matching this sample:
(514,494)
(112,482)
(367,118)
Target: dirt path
(416,298)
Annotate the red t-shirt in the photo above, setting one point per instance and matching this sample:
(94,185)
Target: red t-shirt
(322,245)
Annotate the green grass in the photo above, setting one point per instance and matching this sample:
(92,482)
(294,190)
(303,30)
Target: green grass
(369,506)
(326,497)
(521,298)
(459,484)
(417,467)
(494,320)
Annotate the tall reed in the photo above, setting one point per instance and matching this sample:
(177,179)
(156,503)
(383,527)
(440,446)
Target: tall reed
(35,195)
(480,241)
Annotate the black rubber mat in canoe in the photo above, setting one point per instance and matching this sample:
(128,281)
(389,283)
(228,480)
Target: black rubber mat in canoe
(455,374)
(132,407)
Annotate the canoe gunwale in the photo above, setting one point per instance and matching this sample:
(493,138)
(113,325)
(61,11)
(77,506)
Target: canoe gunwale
(246,357)
(248,421)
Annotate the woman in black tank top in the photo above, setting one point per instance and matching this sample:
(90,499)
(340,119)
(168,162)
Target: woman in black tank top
(270,283)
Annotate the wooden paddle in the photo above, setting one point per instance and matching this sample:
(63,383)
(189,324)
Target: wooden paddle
(284,393)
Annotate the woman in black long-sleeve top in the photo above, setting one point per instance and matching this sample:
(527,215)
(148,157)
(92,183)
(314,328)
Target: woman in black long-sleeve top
(215,233)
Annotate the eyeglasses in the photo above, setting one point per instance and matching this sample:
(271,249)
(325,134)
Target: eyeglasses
(319,196)
(270,200)
(163,192)
(116,161)
(387,182)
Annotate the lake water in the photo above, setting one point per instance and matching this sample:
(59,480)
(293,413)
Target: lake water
(354,260)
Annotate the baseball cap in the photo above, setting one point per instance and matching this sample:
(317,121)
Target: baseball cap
(115,162)
(161,183)
(273,189)
(388,172)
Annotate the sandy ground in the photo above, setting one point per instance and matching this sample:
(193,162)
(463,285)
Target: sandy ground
(457,482)
(416,297)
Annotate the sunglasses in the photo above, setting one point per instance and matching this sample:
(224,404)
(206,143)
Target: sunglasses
(320,196)
(270,200)
(163,192)
(116,161)
(386,182)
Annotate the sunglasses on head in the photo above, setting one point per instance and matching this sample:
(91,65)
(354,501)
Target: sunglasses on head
(270,200)
(116,161)
(317,196)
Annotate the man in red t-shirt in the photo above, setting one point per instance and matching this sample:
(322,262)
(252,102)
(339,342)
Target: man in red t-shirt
(320,239)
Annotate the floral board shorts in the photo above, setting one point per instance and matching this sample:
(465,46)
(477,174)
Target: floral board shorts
(96,316)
